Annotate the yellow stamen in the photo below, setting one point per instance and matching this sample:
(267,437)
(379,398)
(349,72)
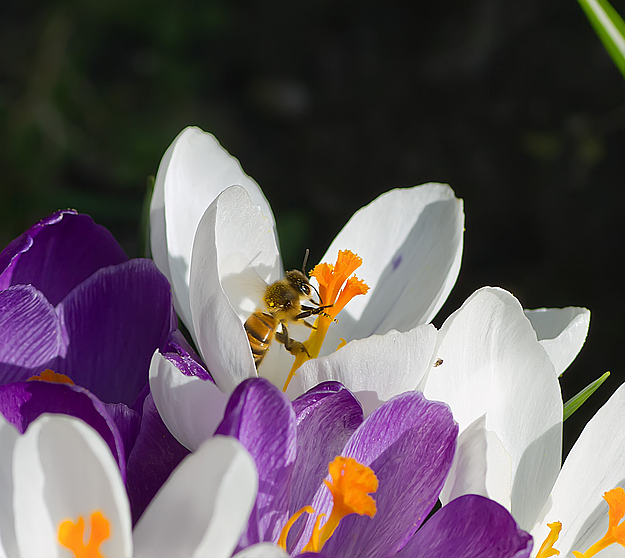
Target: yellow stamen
(313,543)
(341,344)
(547,550)
(285,530)
(71,535)
(50,376)
(337,288)
(616,533)
(350,487)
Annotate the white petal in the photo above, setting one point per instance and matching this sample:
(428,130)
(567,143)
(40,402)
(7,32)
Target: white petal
(562,331)
(595,465)
(493,365)
(194,170)
(190,407)
(410,241)
(468,470)
(263,550)
(203,508)
(235,244)
(374,369)
(62,470)
(8,437)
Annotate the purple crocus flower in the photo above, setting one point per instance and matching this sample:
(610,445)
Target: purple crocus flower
(409,443)
(71,301)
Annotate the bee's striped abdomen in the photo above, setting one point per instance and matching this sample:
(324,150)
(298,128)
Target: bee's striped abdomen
(260,328)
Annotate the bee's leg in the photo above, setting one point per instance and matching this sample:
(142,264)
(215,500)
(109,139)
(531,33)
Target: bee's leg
(294,347)
(310,311)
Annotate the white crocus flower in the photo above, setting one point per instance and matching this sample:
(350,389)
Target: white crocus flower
(60,479)
(594,466)
(213,235)
(410,241)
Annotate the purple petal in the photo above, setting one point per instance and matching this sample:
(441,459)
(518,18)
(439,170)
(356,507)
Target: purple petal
(127,421)
(22,402)
(115,321)
(469,527)
(184,357)
(59,253)
(156,453)
(409,443)
(31,334)
(261,417)
(327,416)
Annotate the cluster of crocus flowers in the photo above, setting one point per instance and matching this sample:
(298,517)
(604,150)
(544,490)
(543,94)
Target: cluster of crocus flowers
(327,469)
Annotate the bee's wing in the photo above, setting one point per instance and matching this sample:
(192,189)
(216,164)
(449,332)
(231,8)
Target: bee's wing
(245,291)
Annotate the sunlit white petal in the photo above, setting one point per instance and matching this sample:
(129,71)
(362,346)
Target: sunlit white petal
(562,331)
(374,369)
(194,170)
(235,245)
(190,407)
(203,508)
(493,365)
(410,241)
(468,470)
(62,470)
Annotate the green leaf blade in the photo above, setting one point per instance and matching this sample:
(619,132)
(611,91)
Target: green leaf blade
(610,28)
(578,400)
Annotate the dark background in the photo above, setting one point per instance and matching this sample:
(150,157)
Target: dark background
(329,104)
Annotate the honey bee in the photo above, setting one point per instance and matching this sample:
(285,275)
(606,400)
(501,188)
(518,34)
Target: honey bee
(282,305)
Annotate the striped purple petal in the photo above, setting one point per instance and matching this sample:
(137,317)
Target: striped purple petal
(327,416)
(58,253)
(31,335)
(409,443)
(156,453)
(261,417)
(182,355)
(115,321)
(469,527)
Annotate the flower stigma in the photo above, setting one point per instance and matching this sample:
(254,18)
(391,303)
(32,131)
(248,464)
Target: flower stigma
(71,535)
(50,376)
(350,486)
(336,289)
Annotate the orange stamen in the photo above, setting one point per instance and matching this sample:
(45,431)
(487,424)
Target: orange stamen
(350,487)
(337,288)
(547,550)
(71,535)
(616,533)
(50,376)
(285,530)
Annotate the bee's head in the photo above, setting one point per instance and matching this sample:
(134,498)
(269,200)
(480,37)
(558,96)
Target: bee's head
(300,282)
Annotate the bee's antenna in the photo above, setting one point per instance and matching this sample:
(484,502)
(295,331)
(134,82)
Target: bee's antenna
(305,261)
(315,289)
